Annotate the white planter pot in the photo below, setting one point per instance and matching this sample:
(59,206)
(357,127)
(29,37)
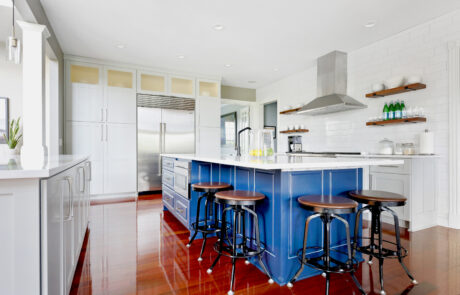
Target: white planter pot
(12,152)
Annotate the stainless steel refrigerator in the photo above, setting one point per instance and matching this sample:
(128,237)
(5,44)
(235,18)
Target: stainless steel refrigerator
(164,125)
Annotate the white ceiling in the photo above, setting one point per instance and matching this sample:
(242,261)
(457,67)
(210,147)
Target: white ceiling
(259,35)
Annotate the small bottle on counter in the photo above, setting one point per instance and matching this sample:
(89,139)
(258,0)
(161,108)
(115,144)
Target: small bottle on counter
(391,111)
(385,112)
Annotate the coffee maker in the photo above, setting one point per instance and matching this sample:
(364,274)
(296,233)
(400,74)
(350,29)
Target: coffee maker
(295,144)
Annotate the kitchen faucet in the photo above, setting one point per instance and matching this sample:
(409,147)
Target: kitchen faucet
(238,147)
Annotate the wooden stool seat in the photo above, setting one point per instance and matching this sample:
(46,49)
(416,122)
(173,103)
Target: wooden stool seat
(320,203)
(210,186)
(372,197)
(239,196)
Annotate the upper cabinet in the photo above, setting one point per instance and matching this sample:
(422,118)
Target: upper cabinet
(84,93)
(120,96)
(151,83)
(182,86)
(208,88)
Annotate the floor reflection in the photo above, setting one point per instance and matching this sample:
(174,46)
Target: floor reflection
(136,248)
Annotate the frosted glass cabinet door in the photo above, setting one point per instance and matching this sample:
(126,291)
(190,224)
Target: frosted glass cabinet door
(120,152)
(84,138)
(182,86)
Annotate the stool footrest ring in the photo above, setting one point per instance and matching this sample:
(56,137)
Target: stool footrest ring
(242,249)
(386,253)
(209,229)
(318,261)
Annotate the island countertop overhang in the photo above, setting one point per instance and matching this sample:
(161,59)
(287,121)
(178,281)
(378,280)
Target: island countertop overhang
(290,163)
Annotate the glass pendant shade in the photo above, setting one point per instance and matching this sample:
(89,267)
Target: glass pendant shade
(14,50)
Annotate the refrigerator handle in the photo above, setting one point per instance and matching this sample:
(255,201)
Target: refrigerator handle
(161,150)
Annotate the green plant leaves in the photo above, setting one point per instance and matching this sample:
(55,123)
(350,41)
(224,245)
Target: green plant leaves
(14,133)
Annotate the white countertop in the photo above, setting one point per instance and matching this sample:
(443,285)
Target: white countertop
(390,156)
(12,168)
(290,163)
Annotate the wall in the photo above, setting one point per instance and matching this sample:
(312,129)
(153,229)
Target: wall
(421,50)
(238,93)
(10,86)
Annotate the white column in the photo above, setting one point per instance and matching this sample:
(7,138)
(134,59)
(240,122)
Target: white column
(454,134)
(33,93)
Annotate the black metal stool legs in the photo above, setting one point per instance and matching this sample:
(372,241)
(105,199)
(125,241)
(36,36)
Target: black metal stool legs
(398,244)
(197,220)
(324,261)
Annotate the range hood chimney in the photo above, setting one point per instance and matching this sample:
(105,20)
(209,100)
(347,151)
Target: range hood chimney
(331,87)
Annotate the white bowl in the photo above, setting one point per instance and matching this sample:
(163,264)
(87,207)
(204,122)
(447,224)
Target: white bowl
(394,82)
(377,87)
(414,79)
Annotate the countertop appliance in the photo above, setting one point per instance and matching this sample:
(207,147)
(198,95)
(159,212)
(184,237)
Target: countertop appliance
(295,144)
(182,178)
(331,87)
(165,124)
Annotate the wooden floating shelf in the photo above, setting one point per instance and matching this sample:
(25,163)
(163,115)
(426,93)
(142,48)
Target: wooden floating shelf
(397,121)
(295,131)
(290,112)
(397,90)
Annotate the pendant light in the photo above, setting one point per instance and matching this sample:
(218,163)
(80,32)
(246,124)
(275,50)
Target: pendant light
(14,45)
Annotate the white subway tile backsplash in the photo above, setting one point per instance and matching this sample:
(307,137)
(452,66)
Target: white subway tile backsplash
(422,51)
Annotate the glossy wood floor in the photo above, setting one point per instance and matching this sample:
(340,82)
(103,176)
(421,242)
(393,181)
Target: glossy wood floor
(136,248)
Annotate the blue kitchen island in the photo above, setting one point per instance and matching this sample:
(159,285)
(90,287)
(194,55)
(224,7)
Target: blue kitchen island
(282,179)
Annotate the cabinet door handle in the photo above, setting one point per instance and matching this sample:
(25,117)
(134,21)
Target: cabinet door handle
(102,133)
(106,114)
(106,133)
(102,114)
(90,170)
(69,181)
(84,179)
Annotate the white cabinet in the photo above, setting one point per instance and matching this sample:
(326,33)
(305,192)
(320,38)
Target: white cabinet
(208,141)
(84,93)
(208,109)
(208,88)
(120,152)
(85,138)
(120,96)
(101,111)
(66,199)
(416,180)
(394,183)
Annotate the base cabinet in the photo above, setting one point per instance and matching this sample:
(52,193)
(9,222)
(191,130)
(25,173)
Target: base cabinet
(65,197)
(415,180)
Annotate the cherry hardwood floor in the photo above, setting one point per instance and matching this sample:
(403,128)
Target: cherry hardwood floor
(136,248)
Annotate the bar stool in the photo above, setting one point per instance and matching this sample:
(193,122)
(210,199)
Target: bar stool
(206,226)
(239,245)
(327,208)
(378,202)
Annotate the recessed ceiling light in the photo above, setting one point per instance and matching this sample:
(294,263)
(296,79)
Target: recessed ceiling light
(251,81)
(218,27)
(120,46)
(181,56)
(369,25)
(228,65)
(276,69)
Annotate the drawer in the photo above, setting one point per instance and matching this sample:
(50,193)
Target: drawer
(168,178)
(168,198)
(397,169)
(168,163)
(181,209)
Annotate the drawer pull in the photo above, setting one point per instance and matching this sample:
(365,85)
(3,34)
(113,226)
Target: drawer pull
(389,166)
(180,210)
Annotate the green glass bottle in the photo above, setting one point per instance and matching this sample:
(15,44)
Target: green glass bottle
(397,110)
(385,112)
(391,111)
(403,109)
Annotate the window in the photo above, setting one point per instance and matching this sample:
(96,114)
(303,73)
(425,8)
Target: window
(228,130)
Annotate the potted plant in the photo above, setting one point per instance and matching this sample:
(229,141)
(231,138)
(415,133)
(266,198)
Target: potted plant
(14,135)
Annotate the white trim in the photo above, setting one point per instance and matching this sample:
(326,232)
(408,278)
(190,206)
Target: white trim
(113,196)
(454,133)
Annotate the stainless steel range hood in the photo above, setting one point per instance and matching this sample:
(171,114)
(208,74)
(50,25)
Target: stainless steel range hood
(331,87)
